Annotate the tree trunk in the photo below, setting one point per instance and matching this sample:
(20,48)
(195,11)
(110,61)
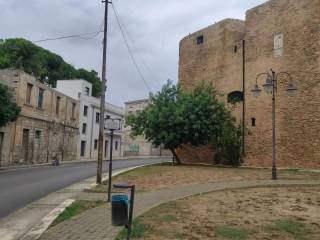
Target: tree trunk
(175,156)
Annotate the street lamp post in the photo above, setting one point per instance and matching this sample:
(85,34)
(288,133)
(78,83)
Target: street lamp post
(112,125)
(271,86)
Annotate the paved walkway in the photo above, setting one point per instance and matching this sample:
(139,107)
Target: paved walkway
(95,224)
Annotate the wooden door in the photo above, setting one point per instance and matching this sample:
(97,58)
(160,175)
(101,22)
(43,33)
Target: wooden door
(25,144)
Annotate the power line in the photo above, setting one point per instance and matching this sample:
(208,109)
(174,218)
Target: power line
(128,36)
(81,36)
(129,49)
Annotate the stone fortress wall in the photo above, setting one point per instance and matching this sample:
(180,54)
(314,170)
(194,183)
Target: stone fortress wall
(280,34)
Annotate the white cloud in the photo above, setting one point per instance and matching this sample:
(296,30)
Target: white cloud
(156,27)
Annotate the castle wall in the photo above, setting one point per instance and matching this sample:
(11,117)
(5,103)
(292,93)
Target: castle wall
(297,118)
(280,34)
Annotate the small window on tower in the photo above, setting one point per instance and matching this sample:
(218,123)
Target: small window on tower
(253,122)
(235,49)
(200,39)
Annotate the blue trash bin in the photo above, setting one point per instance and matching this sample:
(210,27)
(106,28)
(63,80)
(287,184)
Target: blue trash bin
(119,210)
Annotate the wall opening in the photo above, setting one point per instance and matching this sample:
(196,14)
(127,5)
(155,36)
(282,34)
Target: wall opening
(235,97)
(253,122)
(200,39)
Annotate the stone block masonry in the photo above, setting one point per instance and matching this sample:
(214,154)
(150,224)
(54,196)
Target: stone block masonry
(47,127)
(280,34)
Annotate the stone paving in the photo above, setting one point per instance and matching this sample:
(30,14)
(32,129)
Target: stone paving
(95,224)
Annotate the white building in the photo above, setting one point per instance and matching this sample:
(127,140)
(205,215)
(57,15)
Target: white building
(90,117)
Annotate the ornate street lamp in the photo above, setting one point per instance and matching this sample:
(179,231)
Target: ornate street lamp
(271,86)
(112,125)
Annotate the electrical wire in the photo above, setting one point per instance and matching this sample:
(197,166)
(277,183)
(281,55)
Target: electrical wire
(81,36)
(129,50)
(128,36)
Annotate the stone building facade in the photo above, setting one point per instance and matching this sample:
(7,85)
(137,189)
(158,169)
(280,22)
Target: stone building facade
(279,34)
(47,127)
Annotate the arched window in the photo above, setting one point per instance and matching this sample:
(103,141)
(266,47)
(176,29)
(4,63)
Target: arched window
(235,97)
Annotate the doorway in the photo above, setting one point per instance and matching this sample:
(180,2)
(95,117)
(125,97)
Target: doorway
(1,145)
(106,143)
(25,144)
(83,148)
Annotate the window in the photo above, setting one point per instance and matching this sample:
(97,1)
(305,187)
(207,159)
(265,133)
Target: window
(253,122)
(107,116)
(235,97)
(97,117)
(235,49)
(40,98)
(116,146)
(200,39)
(58,100)
(82,148)
(84,128)
(29,92)
(87,91)
(37,134)
(95,144)
(73,110)
(85,111)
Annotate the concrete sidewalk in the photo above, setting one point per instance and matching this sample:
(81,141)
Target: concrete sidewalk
(95,224)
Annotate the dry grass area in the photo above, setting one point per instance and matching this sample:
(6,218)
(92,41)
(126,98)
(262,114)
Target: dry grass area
(244,214)
(152,178)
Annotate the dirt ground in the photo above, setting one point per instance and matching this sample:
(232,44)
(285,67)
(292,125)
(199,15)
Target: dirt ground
(253,214)
(159,177)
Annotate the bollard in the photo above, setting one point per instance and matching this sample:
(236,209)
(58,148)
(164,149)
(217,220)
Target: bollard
(120,208)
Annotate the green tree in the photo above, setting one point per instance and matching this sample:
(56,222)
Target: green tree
(45,65)
(9,110)
(175,118)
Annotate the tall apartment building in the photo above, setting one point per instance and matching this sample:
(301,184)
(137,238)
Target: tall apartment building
(47,127)
(279,34)
(89,119)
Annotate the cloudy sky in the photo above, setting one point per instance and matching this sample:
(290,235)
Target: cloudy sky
(154,29)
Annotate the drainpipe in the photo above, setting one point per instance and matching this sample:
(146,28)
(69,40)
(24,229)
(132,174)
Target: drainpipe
(50,125)
(91,134)
(64,129)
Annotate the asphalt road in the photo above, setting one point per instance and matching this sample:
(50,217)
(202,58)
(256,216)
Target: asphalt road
(22,186)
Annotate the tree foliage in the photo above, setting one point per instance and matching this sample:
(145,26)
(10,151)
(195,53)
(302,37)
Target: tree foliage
(175,118)
(45,65)
(9,110)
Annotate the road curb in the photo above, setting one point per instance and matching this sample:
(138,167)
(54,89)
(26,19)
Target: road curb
(118,172)
(36,231)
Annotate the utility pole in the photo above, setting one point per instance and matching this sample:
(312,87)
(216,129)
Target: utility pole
(103,94)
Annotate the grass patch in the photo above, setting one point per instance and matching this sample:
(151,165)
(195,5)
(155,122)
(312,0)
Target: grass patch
(75,208)
(168,218)
(232,233)
(138,230)
(297,229)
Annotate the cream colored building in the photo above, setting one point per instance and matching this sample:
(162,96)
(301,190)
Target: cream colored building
(138,146)
(47,127)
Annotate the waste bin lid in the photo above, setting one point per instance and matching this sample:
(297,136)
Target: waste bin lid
(120,198)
